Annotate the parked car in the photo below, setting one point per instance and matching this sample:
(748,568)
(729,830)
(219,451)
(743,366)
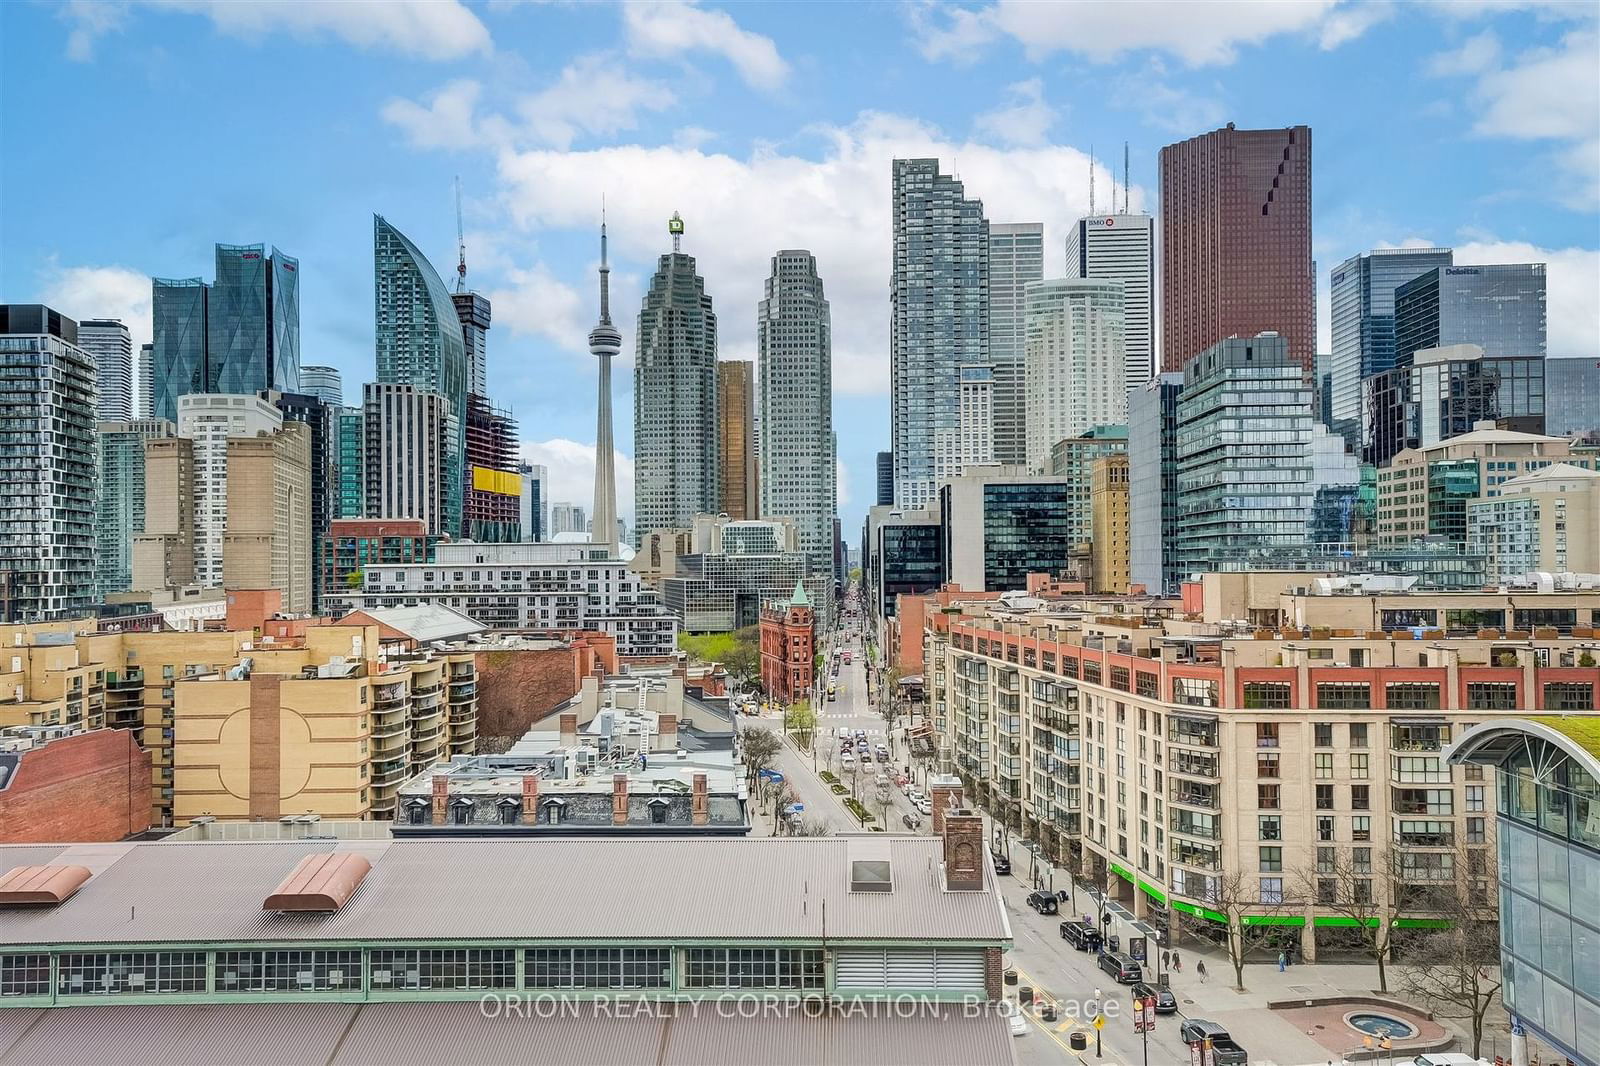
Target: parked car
(911,821)
(1014,1018)
(1043,902)
(1120,967)
(1002,865)
(1223,1050)
(924,805)
(1081,936)
(1166,1002)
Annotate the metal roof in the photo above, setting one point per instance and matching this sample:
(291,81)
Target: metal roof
(397,1034)
(482,889)
(426,623)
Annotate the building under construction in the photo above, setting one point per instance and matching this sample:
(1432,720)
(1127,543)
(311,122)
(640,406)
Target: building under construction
(494,487)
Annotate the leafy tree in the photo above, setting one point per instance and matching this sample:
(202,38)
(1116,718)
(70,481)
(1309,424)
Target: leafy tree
(801,720)
(354,579)
(743,658)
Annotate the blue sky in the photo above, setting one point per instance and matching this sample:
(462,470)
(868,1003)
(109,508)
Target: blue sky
(138,134)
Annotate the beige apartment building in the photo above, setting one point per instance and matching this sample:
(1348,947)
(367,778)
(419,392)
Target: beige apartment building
(1109,536)
(247,727)
(1170,758)
(1547,520)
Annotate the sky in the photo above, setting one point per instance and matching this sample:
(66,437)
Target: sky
(138,134)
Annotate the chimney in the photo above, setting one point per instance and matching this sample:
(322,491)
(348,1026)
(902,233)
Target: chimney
(619,799)
(667,725)
(963,851)
(569,730)
(530,799)
(700,806)
(944,792)
(441,799)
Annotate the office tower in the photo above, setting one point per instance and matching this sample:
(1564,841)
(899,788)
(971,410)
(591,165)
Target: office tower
(1572,396)
(568,518)
(1076,362)
(47,405)
(904,556)
(119,510)
(474,312)
(494,491)
(239,334)
(973,442)
(1499,308)
(736,446)
(1246,480)
(1109,535)
(351,463)
(1016,257)
(268,539)
(1122,248)
(794,341)
(1236,242)
(108,341)
(605,342)
(209,422)
(1072,460)
(406,451)
(1439,393)
(1361,297)
(534,507)
(939,307)
(675,419)
(1153,484)
(733,567)
(885,494)
(322,473)
(323,382)
(419,344)
(144,389)
(1000,524)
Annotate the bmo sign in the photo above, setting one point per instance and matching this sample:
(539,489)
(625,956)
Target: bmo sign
(1109,222)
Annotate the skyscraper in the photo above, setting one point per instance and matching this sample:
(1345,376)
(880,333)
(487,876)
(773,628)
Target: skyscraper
(885,495)
(474,312)
(350,462)
(736,405)
(1122,248)
(605,341)
(1500,308)
(321,421)
(1236,242)
(47,404)
(108,341)
(1361,299)
(209,422)
(494,487)
(119,506)
(794,342)
(144,388)
(534,506)
(568,518)
(675,417)
(939,306)
(1075,362)
(1153,484)
(239,334)
(406,447)
(323,382)
(420,343)
(1016,257)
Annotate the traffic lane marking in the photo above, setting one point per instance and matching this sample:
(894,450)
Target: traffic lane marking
(1033,1017)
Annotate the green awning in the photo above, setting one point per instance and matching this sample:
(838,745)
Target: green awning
(1198,912)
(1152,891)
(1120,872)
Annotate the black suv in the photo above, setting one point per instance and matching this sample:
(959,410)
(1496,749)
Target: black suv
(1080,936)
(1043,902)
(1002,865)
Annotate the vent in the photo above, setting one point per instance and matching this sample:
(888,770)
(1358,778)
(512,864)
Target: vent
(870,870)
(323,882)
(41,885)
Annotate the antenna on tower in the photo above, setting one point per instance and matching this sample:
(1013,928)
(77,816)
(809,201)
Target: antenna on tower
(461,243)
(1091,179)
(1125,177)
(675,227)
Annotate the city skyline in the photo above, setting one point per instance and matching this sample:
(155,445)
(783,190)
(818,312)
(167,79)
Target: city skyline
(1002,126)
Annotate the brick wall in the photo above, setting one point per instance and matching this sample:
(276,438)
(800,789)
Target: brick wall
(517,687)
(83,789)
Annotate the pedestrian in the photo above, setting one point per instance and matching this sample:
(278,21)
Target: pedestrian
(1177,963)
(1166,960)
(1200,968)
(1283,960)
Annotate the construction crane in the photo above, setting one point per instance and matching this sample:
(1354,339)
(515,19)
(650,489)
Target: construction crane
(461,243)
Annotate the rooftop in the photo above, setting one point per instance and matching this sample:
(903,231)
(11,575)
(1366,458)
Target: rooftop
(424,624)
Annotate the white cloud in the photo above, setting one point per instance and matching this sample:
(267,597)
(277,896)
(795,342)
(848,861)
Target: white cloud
(594,94)
(446,121)
(429,29)
(536,303)
(1025,119)
(571,467)
(741,210)
(1572,312)
(1199,32)
(670,28)
(101,292)
(1544,94)
(1163,107)
(692,136)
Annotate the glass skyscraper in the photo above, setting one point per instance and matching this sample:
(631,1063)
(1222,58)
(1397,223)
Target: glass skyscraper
(1153,484)
(1500,308)
(420,343)
(1445,392)
(350,463)
(1362,310)
(119,506)
(939,300)
(178,345)
(1016,257)
(1571,396)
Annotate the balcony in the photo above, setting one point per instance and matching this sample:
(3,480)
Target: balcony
(1194,796)
(1192,764)
(389,772)
(1417,770)
(127,682)
(425,690)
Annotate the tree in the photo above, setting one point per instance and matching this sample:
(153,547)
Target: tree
(801,720)
(1358,885)
(760,748)
(812,827)
(891,690)
(743,658)
(353,579)
(1455,970)
(1253,922)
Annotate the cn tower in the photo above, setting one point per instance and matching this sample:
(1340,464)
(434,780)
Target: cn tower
(604,343)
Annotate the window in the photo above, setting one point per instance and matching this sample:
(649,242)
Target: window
(753,968)
(1361,890)
(1412,695)
(597,968)
(1120,678)
(137,972)
(1324,797)
(1325,827)
(1091,671)
(1271,859)
(1358,734)
(1569,696)
(1194,692)
(1344,695)
(1266,734)
(1266,764)
(1147,685)
(1491,695)
(288,971)
(1475,797)
(1267,797)
(1272,890)
(1271,826)
(1322,734)
(24,975)
(1475,831)
(1324,764)
(1327,891)
(1361,860)
(1361,829)
(444,968)
(1267,694)
(1327,860)
(1361,797)
(461,812)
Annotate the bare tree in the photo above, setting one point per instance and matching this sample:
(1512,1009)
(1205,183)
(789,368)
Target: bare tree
(1455,969)
(760,750)
(1358,885)
(813,827)
(1252,916)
